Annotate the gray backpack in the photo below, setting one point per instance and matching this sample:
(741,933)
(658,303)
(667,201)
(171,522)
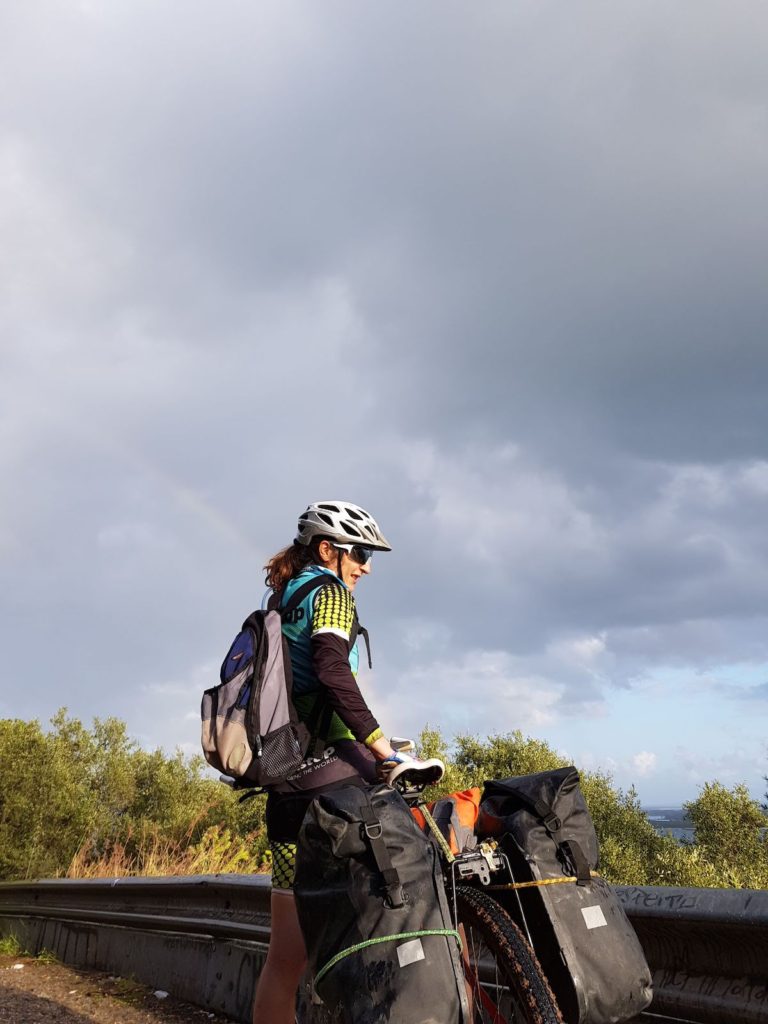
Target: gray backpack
(250,729)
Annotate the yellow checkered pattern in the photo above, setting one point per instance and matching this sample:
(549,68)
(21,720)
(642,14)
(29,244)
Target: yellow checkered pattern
(283,865)
(334,611)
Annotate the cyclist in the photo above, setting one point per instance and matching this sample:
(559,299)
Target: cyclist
(335,539)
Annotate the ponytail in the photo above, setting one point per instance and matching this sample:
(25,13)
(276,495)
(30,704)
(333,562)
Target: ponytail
(288,562)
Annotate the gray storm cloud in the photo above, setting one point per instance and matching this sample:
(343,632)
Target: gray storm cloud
(498,275)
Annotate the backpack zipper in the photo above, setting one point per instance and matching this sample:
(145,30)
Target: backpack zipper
(253,700)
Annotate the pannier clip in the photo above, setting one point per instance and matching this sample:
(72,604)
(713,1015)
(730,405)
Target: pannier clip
(372,829)
(552,823)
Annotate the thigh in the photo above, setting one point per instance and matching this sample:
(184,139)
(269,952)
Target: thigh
(286,943)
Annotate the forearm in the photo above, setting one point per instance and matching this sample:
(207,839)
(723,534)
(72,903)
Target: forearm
(331,664)
(381,748)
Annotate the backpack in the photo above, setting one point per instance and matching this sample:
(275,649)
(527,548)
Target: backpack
(582,937)
(370,896)
(250,728)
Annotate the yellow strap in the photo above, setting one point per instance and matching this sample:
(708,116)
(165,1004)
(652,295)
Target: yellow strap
(543,881)
(433,827)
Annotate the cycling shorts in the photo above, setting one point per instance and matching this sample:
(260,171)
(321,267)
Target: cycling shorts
(287,806)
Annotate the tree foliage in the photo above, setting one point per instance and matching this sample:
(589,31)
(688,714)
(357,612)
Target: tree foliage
(729,850)
(76,789)
(90,801)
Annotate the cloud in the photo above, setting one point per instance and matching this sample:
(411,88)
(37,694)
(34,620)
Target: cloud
(485,691)
(731,765)
(482,276)
(644,762)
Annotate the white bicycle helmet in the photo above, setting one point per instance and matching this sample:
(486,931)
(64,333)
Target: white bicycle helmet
(341,521)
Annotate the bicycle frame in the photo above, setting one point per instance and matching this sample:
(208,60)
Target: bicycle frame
(476,867)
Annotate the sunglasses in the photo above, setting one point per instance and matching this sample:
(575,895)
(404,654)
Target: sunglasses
(357,552)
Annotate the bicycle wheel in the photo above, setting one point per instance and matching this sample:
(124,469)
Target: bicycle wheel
(504,977)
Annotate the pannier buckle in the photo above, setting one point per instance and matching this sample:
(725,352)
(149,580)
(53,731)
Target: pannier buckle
(552,823)
(373,829)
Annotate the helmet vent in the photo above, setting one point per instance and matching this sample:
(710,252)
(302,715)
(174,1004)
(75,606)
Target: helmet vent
(341,522)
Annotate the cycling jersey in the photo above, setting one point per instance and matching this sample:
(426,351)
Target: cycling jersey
(324,665)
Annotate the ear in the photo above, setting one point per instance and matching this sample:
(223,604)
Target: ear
(326,551)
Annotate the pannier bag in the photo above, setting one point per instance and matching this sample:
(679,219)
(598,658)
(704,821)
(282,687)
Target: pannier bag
(581,935)
(455,817)
(250,729)
(372,906)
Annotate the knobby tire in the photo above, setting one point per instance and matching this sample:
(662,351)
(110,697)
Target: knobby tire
(516,991)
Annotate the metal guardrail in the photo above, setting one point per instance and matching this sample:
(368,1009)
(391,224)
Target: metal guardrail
(708,950)
(204,938)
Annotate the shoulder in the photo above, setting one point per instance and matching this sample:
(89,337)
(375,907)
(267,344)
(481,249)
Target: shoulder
(334,609)
(310,574)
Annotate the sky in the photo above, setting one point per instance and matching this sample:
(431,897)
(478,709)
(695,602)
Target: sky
(495,272)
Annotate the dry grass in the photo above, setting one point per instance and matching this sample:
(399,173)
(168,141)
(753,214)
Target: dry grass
(218,851)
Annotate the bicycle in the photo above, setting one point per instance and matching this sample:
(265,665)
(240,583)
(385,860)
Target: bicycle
(505,982)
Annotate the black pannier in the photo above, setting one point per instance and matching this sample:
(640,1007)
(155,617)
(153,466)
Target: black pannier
(580,933)
(373,911)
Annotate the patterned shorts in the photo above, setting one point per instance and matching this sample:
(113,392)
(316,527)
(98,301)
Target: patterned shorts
(283,865)
(285,809)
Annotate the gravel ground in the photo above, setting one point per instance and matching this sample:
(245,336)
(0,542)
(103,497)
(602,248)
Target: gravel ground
(41,992)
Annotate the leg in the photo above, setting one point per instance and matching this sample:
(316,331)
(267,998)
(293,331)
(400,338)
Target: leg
(275,999)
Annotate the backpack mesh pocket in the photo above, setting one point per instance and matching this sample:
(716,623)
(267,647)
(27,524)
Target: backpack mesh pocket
(281,754)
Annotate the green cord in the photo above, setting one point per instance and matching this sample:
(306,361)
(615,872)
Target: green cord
(384,938)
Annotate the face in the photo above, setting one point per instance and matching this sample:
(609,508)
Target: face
(351,570)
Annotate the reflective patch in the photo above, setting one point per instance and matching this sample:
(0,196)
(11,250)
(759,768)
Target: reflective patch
(410,952)
(594,917)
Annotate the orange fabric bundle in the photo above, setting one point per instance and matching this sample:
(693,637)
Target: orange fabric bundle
(455,816)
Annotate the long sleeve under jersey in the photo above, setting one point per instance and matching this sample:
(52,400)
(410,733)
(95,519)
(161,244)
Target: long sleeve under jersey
(324,665)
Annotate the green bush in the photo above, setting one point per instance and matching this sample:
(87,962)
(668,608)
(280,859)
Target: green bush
(731,835)
(730,848)
(72,789)
(91,801)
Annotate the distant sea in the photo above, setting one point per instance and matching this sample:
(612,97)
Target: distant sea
(670,821)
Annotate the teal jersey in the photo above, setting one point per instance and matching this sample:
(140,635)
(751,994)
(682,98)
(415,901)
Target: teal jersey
(328,609)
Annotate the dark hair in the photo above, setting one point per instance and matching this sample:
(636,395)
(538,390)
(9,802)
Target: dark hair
(290,561)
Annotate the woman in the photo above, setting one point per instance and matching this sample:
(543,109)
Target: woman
(335,543)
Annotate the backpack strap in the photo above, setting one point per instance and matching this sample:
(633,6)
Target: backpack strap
(300,593)
(371,832)
(357,628)
(318,724)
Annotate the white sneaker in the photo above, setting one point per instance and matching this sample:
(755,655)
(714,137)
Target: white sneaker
(409,770)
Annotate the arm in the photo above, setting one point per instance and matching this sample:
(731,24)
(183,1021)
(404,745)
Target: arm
(332,619)
(330,660)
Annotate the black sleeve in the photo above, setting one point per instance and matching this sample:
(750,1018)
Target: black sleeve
(330,660)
